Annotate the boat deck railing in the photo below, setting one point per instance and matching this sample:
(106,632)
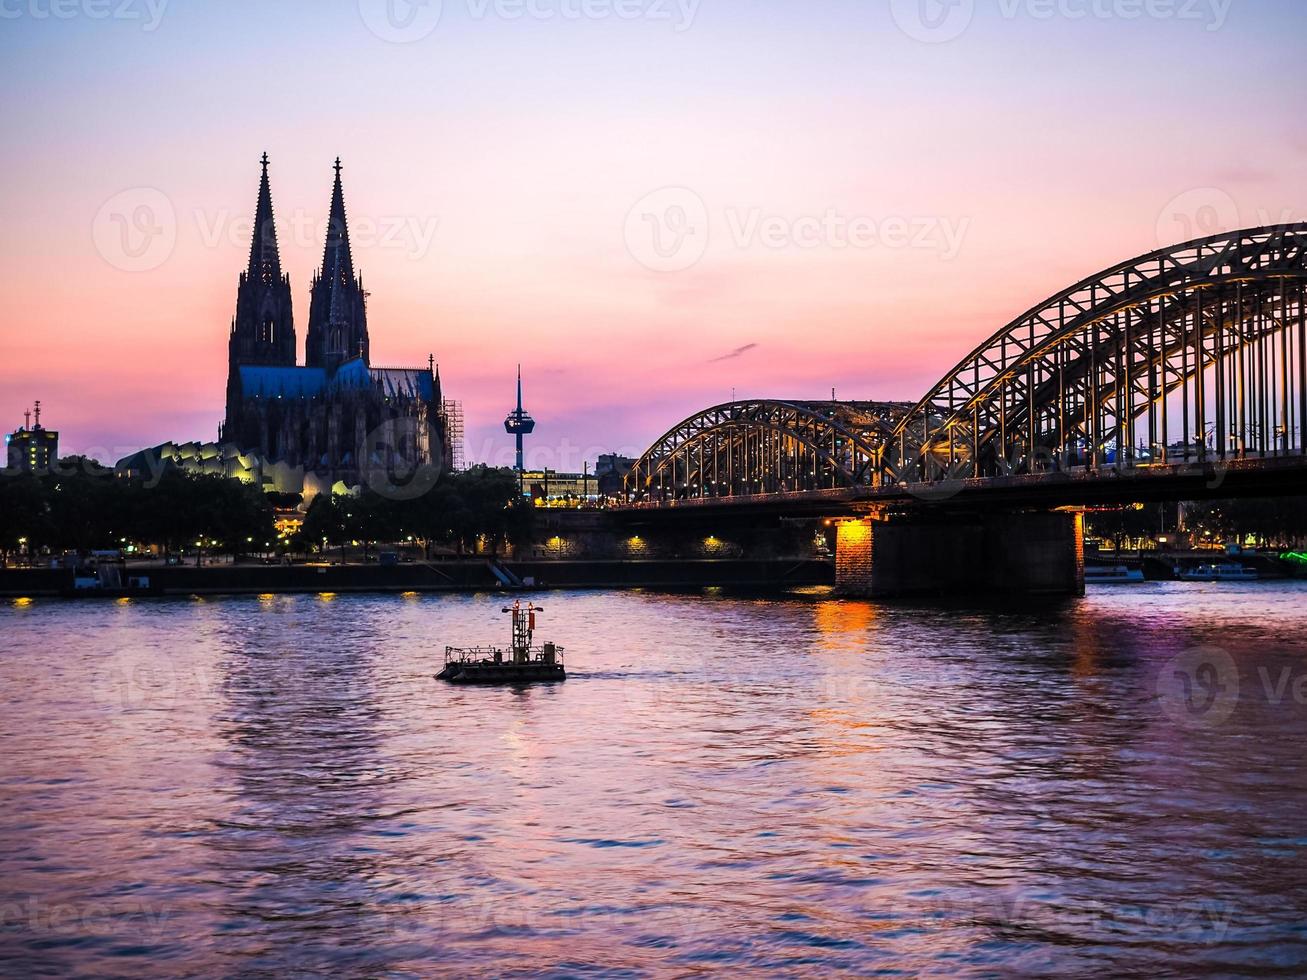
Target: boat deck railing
(476,655)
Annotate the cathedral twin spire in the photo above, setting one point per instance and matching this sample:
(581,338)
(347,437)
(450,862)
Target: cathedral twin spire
(265,259)
(338,320)
(263,329)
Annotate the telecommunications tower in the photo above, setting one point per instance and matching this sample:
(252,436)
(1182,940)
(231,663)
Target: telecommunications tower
(519,424)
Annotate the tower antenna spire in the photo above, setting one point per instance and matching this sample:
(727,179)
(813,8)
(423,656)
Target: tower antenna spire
(519,424)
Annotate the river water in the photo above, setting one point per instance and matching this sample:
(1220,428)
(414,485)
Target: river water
(785,785)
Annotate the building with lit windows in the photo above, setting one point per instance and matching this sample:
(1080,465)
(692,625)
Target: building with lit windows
(32,448)
(549,488)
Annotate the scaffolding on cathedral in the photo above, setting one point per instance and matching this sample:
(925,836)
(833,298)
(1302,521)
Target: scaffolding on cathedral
(453,411)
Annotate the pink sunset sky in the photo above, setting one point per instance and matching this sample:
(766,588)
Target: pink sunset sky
(648,203)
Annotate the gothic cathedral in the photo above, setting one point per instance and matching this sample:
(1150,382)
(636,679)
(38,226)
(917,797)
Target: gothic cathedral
(337,420)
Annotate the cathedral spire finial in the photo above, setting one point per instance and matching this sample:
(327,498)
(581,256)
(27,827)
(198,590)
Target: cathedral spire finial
(336,259)
(265,258)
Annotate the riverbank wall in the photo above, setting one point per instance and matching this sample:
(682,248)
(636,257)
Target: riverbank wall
(445,576)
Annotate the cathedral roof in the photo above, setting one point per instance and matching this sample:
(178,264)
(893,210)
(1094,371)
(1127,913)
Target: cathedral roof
(410,382)
(269,381)
(394,382)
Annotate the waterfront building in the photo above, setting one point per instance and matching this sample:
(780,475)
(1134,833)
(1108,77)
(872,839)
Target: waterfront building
(32,448)
(610,473)
(549,488)
(194,457)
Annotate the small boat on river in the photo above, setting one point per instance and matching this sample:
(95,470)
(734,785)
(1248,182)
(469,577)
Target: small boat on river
(1217,572)
(520,664)
(1112,575)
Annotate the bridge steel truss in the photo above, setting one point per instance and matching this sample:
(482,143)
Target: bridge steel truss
(1191,354)
(1194,353)
(748,448)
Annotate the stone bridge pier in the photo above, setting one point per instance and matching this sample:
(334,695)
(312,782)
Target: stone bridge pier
(1015,553)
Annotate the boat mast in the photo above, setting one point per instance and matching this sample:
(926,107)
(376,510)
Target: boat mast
(524,624)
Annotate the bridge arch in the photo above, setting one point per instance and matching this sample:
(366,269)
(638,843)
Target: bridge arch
(751,447)
(1195,352)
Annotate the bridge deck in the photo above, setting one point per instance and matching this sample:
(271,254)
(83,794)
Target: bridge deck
(1076,487)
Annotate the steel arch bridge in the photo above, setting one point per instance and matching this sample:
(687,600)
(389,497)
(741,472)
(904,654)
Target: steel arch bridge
(1195,353)
(1186,353)
(752,448)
